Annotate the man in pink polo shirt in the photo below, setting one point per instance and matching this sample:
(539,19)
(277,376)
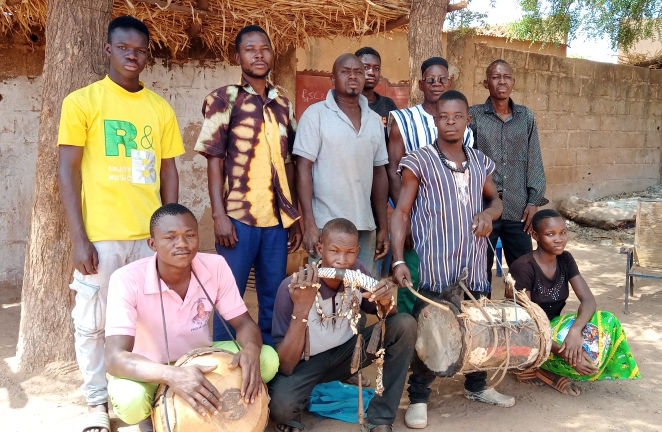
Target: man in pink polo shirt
(136,353)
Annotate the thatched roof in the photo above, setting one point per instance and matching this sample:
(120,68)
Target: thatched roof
(213,23)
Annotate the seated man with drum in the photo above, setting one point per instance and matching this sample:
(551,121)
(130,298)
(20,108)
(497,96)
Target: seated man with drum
(313,328)
(159,309)
(447,188)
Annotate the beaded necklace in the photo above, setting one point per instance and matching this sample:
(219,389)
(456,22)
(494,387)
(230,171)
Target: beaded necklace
(450,165)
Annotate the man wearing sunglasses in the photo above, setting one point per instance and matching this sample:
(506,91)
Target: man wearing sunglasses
(410,129)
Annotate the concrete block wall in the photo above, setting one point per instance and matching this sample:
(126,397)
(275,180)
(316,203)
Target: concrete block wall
(183,86)
(599,123)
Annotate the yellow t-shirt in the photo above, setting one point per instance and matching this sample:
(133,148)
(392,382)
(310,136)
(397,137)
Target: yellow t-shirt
(125,136)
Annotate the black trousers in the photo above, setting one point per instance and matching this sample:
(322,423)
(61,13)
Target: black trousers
(290,394)
(421,376)
(515,241)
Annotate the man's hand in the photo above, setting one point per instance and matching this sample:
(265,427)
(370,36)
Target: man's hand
(302,291)
(586,367)
(294,237)
(527,217)
(86,259)
(571,349)
(401,275)
(383,244)
(224,231)
(383,292)
(311,237)
(190,384)
(482,224)
(248,359)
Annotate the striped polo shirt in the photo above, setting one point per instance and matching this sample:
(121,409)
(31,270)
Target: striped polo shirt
(418,129)
(442,215)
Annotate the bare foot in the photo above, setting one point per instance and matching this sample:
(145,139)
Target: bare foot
(97,408)
(286,428)
(559,383)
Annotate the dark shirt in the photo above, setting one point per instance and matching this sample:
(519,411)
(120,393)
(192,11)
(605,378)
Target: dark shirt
(383,105)
(323,336)
(514,147)
(549,294)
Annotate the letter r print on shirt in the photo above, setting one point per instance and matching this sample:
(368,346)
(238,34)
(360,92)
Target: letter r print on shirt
(119,132)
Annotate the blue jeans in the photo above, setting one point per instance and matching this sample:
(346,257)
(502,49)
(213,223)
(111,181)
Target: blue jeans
(265,249)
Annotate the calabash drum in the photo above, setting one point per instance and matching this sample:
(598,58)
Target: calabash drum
(173,414)
(500,335)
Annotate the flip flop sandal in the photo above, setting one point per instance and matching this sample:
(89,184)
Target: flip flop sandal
(561,384)
(353,380)
(372,426)
(96,420)
(291,423)
(529,378)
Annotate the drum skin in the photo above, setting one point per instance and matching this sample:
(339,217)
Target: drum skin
(519,337)
(234,415)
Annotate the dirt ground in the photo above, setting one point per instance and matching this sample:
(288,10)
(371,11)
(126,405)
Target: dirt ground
(50,400)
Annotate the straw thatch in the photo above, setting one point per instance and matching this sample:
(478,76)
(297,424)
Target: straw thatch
(175,23)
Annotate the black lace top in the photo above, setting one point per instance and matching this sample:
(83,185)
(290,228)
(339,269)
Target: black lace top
(549,294)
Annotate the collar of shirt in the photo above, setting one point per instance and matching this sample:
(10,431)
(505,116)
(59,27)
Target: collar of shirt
(489,108)
(272,91)
(153,282)
(363,104)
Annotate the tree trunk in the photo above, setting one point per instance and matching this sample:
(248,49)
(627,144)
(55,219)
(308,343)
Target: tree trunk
(284,73)
(426,23)
(75,32)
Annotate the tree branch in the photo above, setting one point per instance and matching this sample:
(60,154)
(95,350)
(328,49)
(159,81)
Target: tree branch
(457,6)
(654,61)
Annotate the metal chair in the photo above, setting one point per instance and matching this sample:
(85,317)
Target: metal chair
(647,250)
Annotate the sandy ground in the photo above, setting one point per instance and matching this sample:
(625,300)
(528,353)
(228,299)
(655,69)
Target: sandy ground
(50,400)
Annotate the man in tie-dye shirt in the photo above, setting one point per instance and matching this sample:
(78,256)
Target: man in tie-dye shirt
(247,138)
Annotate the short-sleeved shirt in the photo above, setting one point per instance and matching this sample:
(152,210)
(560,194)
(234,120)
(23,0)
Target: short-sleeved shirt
(325,336)
(549,293)
(134,306)
(442,215)
(383,105)
(418,129)
(343,160)
(254,138)
(124,136)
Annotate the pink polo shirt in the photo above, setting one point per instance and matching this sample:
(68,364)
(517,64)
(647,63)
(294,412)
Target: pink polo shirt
(134,307)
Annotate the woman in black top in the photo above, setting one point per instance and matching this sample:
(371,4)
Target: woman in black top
(588,345)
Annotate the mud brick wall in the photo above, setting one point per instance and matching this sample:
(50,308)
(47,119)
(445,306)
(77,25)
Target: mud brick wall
(599,123)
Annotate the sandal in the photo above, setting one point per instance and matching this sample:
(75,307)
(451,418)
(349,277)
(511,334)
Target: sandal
(529,378)
(373,426)
(354,380)
(96,420)
(559,383)
(292,423)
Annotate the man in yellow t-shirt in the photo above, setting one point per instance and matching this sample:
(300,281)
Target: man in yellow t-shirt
(117,144)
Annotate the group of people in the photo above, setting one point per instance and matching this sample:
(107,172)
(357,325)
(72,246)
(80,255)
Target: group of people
(459,177)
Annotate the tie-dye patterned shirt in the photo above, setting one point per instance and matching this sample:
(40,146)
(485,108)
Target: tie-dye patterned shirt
(254,137)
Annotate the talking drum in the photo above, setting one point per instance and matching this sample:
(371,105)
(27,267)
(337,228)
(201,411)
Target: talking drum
(483,336)
(173,414)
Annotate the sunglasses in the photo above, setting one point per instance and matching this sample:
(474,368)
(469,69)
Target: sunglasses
(441,80)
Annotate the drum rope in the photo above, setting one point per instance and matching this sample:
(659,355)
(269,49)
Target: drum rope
(165,335)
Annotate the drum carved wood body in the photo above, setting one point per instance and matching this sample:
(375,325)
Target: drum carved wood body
(451,342)
(235,414)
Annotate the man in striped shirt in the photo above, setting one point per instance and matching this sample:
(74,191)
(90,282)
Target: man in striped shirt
(448,189)
(410,129)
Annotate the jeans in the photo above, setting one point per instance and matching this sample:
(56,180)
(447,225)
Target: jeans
(516,242)
(89,313)
(132,400)
(290,394)
(421,376)
(264,249)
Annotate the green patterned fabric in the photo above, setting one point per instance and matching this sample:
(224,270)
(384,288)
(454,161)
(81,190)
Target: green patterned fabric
(604,341)
(406,299)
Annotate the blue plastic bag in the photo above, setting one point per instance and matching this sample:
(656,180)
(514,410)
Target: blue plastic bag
(338,401)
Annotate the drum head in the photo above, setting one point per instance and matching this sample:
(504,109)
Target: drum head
(234,415)
(439,340)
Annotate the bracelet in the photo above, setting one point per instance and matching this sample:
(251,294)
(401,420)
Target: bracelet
(397,263)
(302,319)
